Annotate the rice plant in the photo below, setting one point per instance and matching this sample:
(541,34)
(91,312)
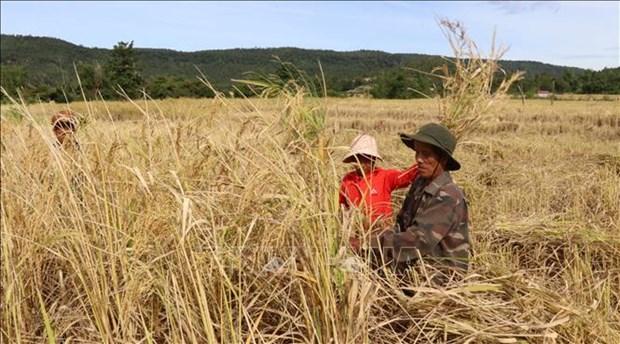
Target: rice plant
(196,221)
(469,87)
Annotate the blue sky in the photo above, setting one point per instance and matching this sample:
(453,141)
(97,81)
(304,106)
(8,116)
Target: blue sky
(581,34)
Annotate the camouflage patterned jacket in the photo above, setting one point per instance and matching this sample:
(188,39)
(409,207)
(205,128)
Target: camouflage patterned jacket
(434,221)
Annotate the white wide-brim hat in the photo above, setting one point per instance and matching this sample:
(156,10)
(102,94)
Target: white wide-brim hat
(365,145)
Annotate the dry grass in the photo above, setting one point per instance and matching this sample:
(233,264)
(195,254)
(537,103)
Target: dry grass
(471,82)
(161,230)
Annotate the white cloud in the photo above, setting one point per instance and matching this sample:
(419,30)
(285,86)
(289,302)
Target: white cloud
(516,7)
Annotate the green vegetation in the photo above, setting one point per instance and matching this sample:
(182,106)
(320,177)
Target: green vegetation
(122,72)
(45,68)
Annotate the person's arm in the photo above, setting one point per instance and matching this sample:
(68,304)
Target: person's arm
(431,225)
(400,179)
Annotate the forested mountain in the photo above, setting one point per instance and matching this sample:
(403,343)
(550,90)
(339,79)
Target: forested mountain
(44,64)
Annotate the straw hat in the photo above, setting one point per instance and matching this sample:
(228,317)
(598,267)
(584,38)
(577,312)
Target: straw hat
(64,117)
(365,145)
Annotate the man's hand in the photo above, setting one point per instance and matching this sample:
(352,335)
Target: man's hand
(355,244)
(387,238)
(376,238)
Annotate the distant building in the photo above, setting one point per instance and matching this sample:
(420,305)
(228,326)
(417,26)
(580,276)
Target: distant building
(543,94)
(360,91)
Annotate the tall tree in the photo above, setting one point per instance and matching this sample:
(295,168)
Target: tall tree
(92,78)
(122,70)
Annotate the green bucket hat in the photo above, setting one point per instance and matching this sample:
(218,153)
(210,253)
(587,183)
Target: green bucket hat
(438,136)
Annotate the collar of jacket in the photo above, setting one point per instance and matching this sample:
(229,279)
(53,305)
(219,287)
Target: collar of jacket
(437,183)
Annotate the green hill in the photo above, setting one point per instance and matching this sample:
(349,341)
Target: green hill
(47,59)
(49,62)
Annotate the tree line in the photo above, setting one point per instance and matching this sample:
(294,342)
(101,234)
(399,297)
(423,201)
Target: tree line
(117,78)
(120,75)
(402,84)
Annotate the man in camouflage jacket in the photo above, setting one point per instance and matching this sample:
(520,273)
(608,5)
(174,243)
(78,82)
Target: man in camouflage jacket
(433,221)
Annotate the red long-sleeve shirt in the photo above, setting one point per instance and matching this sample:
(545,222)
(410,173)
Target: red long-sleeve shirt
(375,190)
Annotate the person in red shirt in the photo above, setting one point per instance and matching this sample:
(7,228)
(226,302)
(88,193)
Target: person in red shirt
(370,187)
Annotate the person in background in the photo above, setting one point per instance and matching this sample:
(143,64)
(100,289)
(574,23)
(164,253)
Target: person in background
(64,126)
(370,187)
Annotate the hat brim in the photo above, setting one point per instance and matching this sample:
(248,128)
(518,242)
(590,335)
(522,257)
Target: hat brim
(410,140)
(353,157)
(65,123)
